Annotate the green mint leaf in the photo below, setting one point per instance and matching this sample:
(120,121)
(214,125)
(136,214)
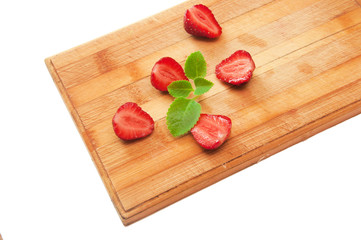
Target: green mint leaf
(202,86)
(181,88)
(195,66)
(182,115)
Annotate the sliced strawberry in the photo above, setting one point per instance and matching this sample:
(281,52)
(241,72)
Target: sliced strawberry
(165,71)
(131,122)
(200,21)
(211,130)
(236,69)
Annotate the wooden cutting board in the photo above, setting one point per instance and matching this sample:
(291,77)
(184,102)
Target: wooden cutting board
(307,79)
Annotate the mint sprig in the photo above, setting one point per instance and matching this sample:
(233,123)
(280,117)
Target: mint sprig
(184,112)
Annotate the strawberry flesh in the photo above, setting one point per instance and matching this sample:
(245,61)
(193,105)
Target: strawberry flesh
(212,130)
(131,122)
(166,71)
(236,69)
(200,21)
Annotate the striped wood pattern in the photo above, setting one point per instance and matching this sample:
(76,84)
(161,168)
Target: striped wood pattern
(307,79)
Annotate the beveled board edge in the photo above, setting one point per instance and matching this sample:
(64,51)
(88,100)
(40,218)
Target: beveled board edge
(96,160)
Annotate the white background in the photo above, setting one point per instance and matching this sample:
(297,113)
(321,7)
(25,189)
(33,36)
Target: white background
(50,189)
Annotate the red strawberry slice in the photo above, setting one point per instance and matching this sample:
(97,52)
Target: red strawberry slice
(236,69)
(131,122)
(200,21)
(165,71)
(211,130)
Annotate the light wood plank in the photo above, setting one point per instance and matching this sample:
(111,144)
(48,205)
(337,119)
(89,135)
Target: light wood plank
(308,56)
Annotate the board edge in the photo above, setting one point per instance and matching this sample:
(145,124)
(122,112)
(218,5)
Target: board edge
(94,156)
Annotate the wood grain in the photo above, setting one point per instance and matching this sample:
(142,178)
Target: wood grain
(308,56)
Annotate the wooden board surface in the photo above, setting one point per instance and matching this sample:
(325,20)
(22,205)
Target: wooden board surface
(307,79)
